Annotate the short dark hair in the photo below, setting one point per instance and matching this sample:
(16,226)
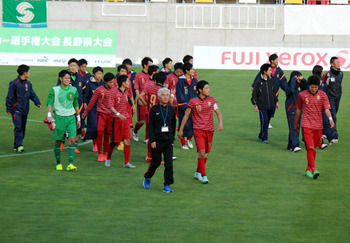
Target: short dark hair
(273,57)
(152,69)
(145,61)
(127,61)
(121,79)
(264,67)
(22,69)
(120,67)
(313,80)
(63,73)
(166,61)
(82,62)
(187,66)
(72,60)
(317,70)
(160,77)
(333,59)
(187,58)
(96,69)
(293,74)
(108,77)
(178,65)
(201,85)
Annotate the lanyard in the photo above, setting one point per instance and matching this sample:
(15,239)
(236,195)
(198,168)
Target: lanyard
(166,114)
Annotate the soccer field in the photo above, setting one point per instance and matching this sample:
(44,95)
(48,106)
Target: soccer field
(257,192)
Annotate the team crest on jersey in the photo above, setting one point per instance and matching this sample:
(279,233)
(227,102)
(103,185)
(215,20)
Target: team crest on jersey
(278,75)
(79,84)
(70,96)
(194,87)
(209,103)
(26,87)
(318,97)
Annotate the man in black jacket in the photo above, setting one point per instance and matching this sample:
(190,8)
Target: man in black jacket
(161,130)
(265,100)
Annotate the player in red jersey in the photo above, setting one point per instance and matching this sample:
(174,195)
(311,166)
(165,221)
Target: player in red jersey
(312,102)
(141,79)
(149,97)
(101,96)
(117,103)
(171,81)
(189,59)
(202,108)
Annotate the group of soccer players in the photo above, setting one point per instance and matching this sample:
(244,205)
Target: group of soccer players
(316,100)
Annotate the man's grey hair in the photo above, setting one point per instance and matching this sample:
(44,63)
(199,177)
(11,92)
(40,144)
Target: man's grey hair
(163,89)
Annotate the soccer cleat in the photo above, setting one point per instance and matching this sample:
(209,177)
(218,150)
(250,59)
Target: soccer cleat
(324,136)
(265,142)
(316,174)
(323,146)
(121,146)
(205,180)
(77,151)
(101,158)
(135,136)
(145,141)
(308,174)
(198,176)
(270,126)
(20,149)
(149,159)
(189,144)
(94,148)
(71,167)
(105,157)
(296,149)
(185,147)
(333,141)
(108,163)
(174,158)
(147,183)
(260,139)
(128,165)
(167,189)
(59,167)
(62,145)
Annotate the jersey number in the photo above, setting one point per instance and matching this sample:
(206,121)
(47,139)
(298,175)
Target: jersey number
(152,100)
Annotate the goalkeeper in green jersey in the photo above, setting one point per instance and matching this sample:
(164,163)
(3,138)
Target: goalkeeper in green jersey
(63,114)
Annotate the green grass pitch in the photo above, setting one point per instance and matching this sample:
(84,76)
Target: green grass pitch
(257,192)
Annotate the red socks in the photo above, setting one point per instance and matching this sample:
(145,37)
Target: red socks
(138,125)
(105,144)
(201,166)
(183,141)
(99,142)
(311,155)
(126,154)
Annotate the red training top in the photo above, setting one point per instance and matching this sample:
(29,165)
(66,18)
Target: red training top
(151,92)
(101,97)
(141,80)
(119,101)
(312,106)
(202,113)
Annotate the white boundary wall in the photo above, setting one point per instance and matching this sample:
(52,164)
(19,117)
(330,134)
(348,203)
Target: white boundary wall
(155,34)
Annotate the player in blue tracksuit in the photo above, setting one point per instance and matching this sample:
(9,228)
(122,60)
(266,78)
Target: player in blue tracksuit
(277,75)
(17,104)
(91,85)
(186,90)
(83,77)
(295,85)
(131,74)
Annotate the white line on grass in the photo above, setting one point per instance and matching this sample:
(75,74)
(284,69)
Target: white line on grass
(10,118)
(37,152)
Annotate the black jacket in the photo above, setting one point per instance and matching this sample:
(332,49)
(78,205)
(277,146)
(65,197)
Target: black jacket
(264,93)
(334,90)
(156,122)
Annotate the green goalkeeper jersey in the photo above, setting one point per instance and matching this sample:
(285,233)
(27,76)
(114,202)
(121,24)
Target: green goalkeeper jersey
(63,100)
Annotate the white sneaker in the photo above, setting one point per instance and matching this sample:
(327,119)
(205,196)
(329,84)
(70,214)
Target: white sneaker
(333,141)
(184,147)
(174,158)
(324,136)
(145,141)
(128,165)
(323,146)
(189,144)
(135,137)
(270,126)
(108,163)
(296,149)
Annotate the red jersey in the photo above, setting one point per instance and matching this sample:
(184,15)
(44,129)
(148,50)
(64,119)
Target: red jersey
(151,92)
(141,80)
(119,101)
(202,113)
(312,106)
(171,80)
(101,97)
(128,91)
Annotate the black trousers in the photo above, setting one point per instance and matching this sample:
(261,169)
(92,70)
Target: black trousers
(165,148)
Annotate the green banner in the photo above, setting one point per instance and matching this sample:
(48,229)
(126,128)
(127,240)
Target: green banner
(24,14)
(59,41)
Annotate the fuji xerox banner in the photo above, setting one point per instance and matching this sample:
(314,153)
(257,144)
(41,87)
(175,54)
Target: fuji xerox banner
(220,57)
(24,13)
(54,47)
